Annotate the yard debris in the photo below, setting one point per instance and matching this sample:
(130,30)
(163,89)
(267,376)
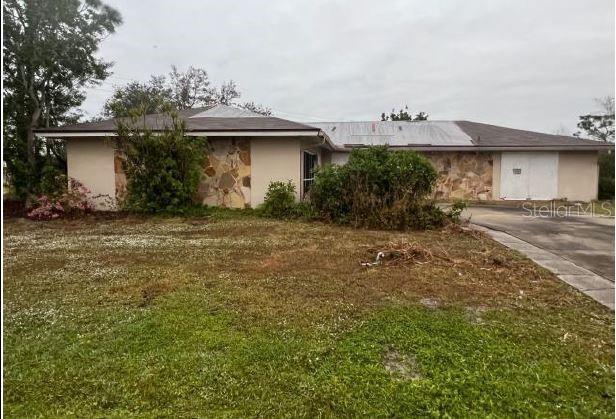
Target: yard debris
(377,260)
(403,252)
(400,252)
(401,366)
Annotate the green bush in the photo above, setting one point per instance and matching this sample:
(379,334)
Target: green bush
(327,191)
(456,210)
(163,169)
(606,176)
(52,181)
(378,188)
(279,200)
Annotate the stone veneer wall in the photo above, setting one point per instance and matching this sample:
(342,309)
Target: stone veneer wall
(463,175)
(226,180)
(226,174)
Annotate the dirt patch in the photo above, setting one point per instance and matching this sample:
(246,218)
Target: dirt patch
(273,262)
(402,367)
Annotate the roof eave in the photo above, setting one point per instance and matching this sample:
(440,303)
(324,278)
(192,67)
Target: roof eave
(205,133)
(592,147)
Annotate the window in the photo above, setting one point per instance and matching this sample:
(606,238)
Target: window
(309,166)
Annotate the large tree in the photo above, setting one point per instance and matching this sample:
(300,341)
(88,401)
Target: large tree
(148,97)
(403,115)
(50,57)
(599,125)
(178,90)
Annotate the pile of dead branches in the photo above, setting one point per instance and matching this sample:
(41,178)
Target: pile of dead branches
(400,252)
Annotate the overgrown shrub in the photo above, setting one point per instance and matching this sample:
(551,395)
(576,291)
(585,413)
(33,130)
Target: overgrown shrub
(73,201)
(52,181)
(378,188)
(606,176)
(163,169)
(455,211)
(327,192)
(279,200)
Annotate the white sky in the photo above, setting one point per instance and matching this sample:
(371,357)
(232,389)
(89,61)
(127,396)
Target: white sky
(526,64)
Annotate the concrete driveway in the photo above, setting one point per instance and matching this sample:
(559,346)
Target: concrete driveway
(584,240)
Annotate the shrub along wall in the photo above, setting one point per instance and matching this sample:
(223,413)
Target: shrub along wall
(163,169)
(378,188)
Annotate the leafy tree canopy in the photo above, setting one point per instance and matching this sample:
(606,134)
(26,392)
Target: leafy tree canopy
(599,126)
(49,50)
(404,115)
(178,90)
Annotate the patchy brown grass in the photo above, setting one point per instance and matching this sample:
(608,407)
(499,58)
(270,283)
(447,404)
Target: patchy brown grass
(281,268)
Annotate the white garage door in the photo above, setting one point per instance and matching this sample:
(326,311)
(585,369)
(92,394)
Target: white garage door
(529,175)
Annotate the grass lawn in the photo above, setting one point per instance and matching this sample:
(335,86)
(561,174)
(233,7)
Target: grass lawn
(241,316)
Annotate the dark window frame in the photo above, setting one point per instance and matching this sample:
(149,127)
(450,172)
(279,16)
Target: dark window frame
(310,161)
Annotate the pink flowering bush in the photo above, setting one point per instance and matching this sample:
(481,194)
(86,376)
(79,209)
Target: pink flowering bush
(74,201)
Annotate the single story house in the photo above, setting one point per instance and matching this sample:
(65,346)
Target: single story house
(248,151)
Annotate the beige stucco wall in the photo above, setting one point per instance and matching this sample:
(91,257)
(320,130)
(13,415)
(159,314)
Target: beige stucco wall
(91,162)
(578,175)
(273,159)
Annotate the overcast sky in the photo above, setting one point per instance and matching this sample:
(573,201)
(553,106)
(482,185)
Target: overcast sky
(523,63)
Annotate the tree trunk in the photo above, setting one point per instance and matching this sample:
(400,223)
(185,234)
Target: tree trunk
(30,137)
(30,143)
(36,114)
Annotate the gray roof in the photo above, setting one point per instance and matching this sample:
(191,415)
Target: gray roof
(420,135)
(454,135)
(216,118)
(223,111)
(394,133)
(486,135)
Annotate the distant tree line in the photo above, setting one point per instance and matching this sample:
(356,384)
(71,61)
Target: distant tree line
(403,115)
